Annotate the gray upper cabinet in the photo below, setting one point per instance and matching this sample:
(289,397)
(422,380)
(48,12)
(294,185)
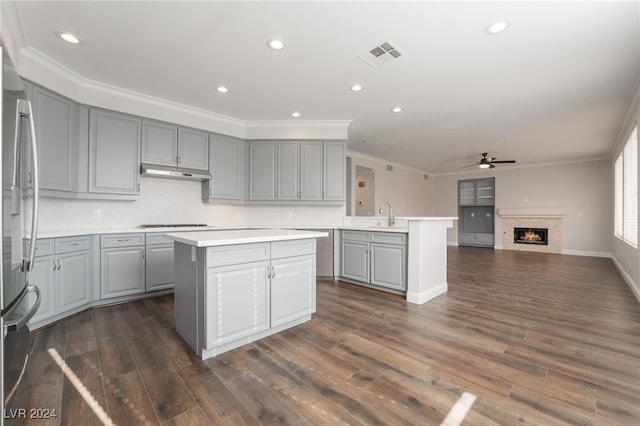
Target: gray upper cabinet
(114,152)
(476,192)
(159,143)
(193,149)
(288,170)
(56,125)
(334,176)
(312,171)
(227,163)
(262,171)
(169,145)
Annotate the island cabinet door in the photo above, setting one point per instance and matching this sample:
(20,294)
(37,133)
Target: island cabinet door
(237,302)
(293,288)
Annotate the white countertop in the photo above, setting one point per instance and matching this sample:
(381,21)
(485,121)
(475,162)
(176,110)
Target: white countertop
(374,228)
(240,236)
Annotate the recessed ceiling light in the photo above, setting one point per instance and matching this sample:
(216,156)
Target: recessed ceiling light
(222,89)
(275,44)
(362,142)
(496,27)
(355,88)
(396,109)
(295,114)
(69,38)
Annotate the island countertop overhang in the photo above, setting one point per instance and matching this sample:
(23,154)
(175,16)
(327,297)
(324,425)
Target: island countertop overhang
(240,236)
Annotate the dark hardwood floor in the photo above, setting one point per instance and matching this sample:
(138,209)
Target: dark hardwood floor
(527,338)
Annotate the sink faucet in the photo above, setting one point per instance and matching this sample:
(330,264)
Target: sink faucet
(392,220)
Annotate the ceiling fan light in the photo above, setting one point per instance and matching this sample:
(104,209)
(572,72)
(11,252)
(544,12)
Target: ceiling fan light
(484,165)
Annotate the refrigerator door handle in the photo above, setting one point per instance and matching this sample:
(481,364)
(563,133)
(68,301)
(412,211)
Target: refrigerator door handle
(25,111)
(11,326)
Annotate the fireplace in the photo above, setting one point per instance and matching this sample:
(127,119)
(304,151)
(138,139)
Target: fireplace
(537,236)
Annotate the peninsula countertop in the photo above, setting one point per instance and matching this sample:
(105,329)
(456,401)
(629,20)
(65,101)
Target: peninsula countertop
(240,236)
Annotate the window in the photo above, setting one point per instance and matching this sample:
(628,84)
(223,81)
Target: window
(626,191)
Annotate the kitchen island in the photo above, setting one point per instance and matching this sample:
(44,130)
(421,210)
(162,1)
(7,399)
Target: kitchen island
(235,287)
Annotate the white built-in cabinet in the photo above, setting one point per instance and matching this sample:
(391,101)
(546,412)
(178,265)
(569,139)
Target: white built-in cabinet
(63,273)
(114,152)
(297,171)
(166,144)
(375,258)
(227,163)
(122,264)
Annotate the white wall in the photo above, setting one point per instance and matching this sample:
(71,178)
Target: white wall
(582,189)
(174,201)
(406,189)
(626,257)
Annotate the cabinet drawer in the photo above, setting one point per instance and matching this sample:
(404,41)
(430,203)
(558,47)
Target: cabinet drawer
(121,240)
(71,244)
(280,249)
(355,235)
(43,247)
(389,238)
(235,254)
(158,239)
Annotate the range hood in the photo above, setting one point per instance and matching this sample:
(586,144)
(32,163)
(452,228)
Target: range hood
(167,172)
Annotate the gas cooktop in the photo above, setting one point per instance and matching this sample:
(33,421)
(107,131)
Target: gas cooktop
(172,225)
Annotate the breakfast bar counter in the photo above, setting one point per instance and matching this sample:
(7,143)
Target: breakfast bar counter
(235,287)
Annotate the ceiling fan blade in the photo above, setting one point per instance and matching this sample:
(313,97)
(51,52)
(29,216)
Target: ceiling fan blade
(470,165)
(503,161)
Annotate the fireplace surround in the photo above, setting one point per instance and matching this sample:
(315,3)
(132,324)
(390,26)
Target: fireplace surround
(531,218)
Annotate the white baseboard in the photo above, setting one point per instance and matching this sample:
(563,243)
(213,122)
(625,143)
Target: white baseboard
(587,253)
(425,296)
(634,287)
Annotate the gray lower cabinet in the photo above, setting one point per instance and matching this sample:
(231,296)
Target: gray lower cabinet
(122,265)
(159,265)
(476,239)
(375,258)
(253,288)
(227,164)
(114,152)
(237,300)
(62,271)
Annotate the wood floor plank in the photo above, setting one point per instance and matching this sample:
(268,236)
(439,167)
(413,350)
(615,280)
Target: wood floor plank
(83,400)
(166,390)
(218,404)
(538,339)
(128,400)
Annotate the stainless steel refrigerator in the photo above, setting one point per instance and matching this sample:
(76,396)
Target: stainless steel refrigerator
(19,298)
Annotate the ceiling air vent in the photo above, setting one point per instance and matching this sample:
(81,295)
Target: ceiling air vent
(381,54)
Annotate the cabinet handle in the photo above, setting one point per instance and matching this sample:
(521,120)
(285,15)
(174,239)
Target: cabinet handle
(123,240)
(273,272)
(74,244)
(178,160)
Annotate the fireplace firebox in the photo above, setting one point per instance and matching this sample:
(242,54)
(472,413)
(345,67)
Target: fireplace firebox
(537,236)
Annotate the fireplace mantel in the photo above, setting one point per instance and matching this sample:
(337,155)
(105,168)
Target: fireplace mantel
(533,212)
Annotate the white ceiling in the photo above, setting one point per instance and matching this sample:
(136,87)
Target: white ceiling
(553,87)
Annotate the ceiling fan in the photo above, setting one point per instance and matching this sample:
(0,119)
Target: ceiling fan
(488,162)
